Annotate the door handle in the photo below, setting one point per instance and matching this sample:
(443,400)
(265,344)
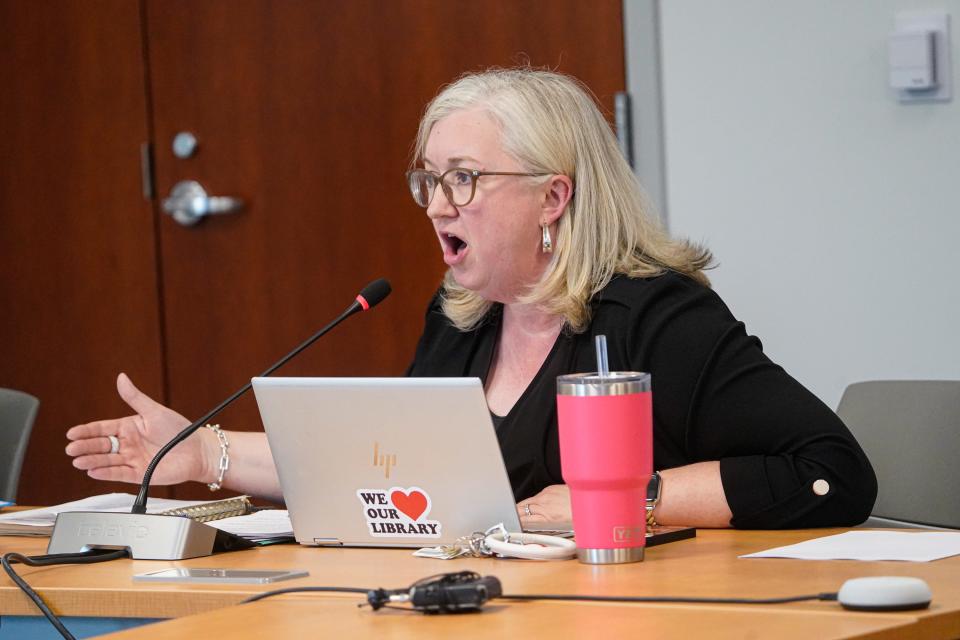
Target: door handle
(189,203)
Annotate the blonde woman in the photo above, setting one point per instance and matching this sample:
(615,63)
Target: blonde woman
(548,242)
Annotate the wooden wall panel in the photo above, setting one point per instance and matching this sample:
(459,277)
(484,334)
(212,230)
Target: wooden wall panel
(78,290)
(307,110)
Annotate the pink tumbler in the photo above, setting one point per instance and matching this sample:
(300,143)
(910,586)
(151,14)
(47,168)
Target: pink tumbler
(606,456)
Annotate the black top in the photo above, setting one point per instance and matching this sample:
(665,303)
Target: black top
(716,396)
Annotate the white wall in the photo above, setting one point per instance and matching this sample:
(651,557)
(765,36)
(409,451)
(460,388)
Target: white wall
(834,211)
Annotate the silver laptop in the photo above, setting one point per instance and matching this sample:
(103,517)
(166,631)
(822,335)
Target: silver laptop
(385,462)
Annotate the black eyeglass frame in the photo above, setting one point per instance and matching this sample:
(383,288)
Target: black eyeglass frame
(474,174)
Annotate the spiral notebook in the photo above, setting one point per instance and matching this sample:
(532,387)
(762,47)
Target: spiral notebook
(210,511)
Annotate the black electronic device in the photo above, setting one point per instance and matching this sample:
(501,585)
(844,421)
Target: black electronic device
(460,592)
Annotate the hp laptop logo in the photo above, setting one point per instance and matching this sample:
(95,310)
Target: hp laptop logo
(385,460)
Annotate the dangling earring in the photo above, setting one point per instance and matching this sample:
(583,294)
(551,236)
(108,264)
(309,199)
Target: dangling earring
(547,242)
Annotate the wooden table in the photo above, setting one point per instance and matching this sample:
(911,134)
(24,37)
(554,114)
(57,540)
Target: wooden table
(705,566)
(342,619)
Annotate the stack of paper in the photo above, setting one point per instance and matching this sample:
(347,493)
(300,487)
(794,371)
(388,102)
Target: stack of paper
(39,522)
(268,525)
(271,525)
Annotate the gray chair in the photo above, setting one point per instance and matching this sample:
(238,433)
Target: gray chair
(17,411)
(910,430)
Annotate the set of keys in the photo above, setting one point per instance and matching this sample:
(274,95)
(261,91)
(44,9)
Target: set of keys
(497,541)
(473,545)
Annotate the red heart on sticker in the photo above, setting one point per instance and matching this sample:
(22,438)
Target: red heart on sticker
(413,504)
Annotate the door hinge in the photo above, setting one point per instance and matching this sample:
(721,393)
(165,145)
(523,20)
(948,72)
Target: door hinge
(146,170)
(624,123)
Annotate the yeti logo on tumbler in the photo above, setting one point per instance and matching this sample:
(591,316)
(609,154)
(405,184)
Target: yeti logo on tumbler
(625,534)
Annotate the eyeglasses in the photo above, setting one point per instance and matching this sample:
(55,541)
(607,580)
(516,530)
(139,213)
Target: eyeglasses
(459,185)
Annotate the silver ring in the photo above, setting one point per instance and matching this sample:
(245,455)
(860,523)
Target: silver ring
(526,510)
(114,444)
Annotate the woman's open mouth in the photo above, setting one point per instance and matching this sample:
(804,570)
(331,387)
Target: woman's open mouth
(454,248)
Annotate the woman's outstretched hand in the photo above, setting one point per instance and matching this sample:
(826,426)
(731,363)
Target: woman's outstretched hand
(140,436)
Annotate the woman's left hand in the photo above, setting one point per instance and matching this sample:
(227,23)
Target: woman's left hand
(550,505)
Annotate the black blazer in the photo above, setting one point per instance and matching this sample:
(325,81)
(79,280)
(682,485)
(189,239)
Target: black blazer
(716,396)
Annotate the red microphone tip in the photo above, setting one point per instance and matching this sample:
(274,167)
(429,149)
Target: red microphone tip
(373,294)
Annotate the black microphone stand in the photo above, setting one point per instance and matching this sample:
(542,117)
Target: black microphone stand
(162,537)
(140,505)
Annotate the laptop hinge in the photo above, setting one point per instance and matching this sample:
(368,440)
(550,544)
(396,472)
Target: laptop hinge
(328,542)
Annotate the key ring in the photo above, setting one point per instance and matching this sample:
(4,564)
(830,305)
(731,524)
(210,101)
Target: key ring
(497,541)
(529,546)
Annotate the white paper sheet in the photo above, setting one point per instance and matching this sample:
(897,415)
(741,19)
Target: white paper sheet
(41,520)
(910,546)
(260,525)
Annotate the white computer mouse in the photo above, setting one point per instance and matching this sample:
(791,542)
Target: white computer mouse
(884,593)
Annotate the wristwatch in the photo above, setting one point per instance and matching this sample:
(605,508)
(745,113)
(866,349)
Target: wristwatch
(653,497)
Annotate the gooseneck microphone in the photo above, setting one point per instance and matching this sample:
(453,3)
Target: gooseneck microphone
(160,537)
(369,297)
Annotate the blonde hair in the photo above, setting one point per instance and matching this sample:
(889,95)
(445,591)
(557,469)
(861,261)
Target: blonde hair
(550,123)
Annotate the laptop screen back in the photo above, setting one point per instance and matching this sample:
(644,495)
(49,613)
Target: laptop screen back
(385,461)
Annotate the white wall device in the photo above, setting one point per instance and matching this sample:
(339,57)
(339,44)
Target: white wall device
(911,60)
(919,57)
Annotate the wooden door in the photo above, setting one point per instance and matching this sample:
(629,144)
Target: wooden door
(78,284)
(307,111)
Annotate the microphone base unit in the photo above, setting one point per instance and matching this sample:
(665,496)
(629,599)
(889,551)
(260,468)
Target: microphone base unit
(144,536)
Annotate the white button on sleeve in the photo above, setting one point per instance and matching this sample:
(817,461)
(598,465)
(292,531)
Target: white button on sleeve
(821,487)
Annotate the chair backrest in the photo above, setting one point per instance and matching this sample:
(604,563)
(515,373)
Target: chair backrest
(910,430)
(17,411)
